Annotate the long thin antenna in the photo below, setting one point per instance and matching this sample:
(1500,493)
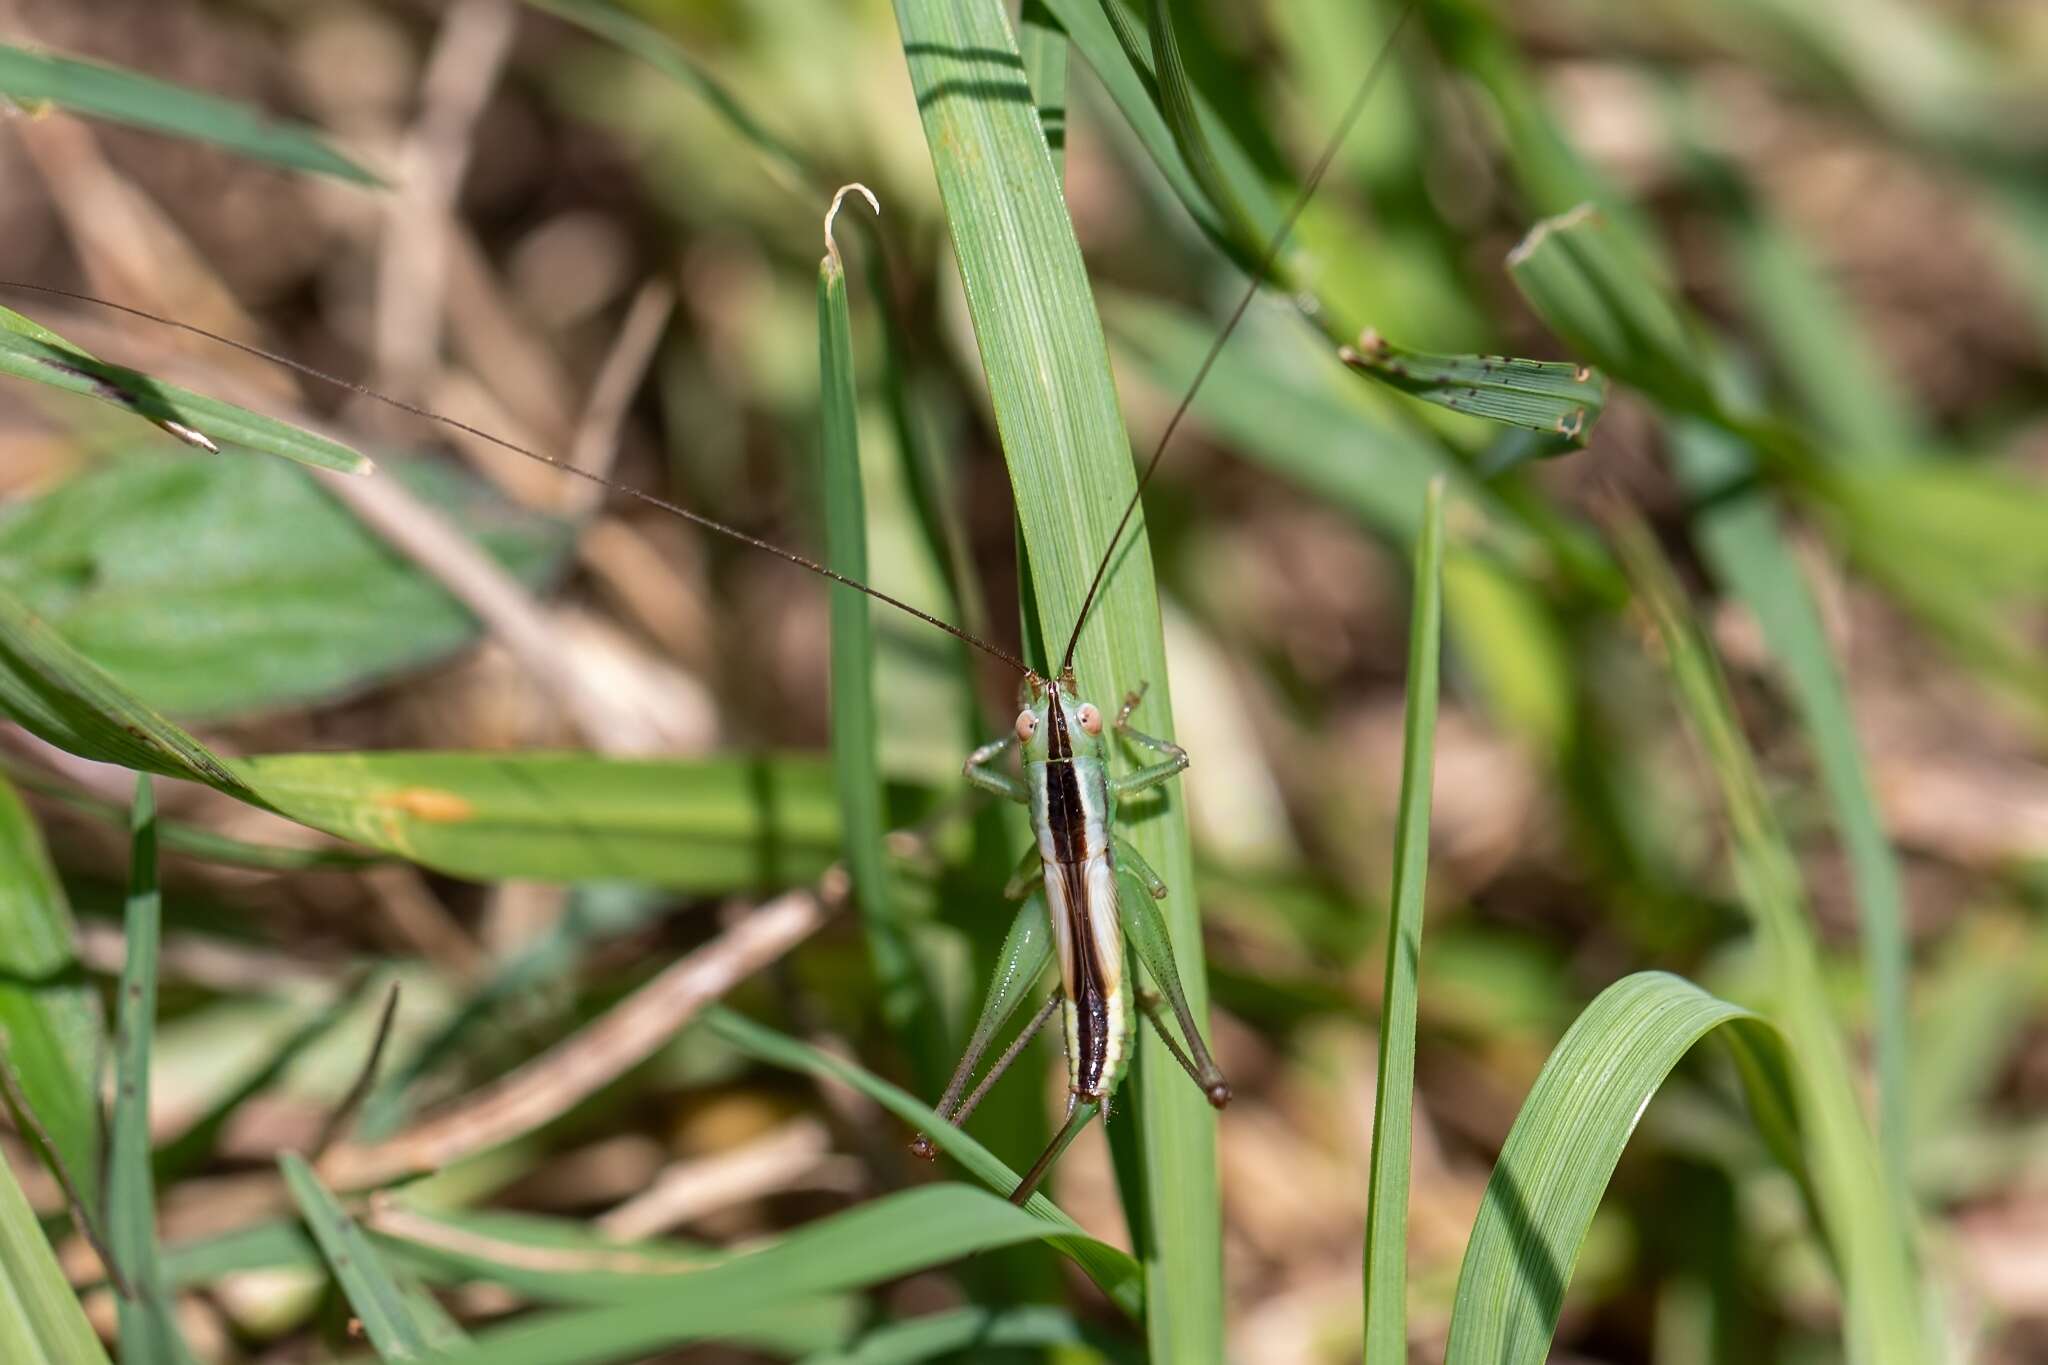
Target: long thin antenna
(627,490)
(1251,291)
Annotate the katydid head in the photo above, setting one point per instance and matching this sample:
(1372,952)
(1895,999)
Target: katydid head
(1054,724)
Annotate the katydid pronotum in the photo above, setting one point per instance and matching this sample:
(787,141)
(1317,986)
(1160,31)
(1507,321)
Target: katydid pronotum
(1088,896)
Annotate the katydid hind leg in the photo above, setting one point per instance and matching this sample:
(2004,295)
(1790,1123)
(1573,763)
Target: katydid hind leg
(1077,1119)
(1010,1054)
(1146,929)
(1026,949)
(1028,876)
(1128,859)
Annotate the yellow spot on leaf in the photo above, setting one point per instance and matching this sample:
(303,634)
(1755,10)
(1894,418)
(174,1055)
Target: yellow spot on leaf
(429,803)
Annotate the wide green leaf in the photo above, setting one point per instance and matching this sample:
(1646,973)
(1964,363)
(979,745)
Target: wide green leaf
(144,102)
(40,1318)
(220,585)
(29,350)
(1386,1218)
(1563,1148)
(1071,475)
(49,1012)
(705,825)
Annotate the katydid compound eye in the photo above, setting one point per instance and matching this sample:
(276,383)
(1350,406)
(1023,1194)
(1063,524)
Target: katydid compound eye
(1027,726)
(1091,719)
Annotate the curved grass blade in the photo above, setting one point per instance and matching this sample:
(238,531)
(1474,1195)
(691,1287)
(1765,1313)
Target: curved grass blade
(908,1005)
(1071,473)
(1740,536)
(1386,1217)
(28,350)
(948,1334)
(148,1325)
(40,1316)
(1564,1146)
(391,1318)
(1870,1233)
(49,1013)
(1116,1273)
(1176,97)
(144,102)
(709,825)
(878,1241)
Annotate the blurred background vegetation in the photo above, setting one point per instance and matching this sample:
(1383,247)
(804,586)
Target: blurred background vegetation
(580,251)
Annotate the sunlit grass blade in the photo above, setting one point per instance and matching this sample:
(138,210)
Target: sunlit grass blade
(40,1318)
(1115,1272)
(28,350)
(144,102)
(148,1326)
(49,1012)
(1386,1217)
(1183,118)
(881,1240)
(906,996)
(938,1336)
(1563,1147)
(710,825)
(1871,1234)
(1743,543)
(383,1305)
(1071,474)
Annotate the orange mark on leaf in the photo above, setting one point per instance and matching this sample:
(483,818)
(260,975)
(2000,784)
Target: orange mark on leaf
(428,803)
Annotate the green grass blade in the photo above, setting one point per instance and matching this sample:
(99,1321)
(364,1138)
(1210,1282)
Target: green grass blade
(946,1335)
(1871,1235)
(725,824)
(59,695)
(380,1302)
(1547,396)
(1070,465)
(40,1317)
(143,102)
(1563,1148)
(49,1012)
(1741,538)
(1386,1217)
(1183,119)
(635,35)
(881,1240)
(28,350)
(148,1326)
(908,1006)
(1115,1272)
(1043,45)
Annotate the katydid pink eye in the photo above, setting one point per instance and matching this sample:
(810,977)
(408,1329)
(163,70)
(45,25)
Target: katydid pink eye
(1027,726)
(1091,719)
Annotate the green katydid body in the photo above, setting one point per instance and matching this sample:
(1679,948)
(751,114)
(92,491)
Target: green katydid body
(1093,890)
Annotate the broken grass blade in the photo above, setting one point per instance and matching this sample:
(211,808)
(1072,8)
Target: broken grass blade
(28,350)
(1554,397)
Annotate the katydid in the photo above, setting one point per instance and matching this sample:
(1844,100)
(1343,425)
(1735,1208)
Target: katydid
(1088,896)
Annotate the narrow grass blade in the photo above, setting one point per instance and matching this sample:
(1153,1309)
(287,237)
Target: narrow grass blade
(148,1325)
(878,1241)
(708,825)
(1386,1216)
(59,695)
(380,1302)
(1563,1148)
(1177,102)
(908,1006)
(793,168)
(49,1013)
(1740,535)
(947,1335)
(1115,1272)
(1070,468)
(28,350)
(1871,1235)
(143,102)
(1043,45)
(40,1317)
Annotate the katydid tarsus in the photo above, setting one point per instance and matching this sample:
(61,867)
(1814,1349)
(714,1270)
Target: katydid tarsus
(1088,896)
